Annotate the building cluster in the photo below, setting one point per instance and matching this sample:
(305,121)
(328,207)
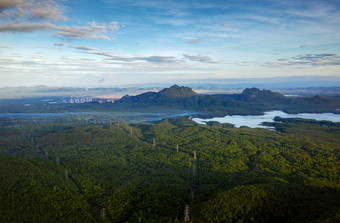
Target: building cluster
(80,100)
(77,100)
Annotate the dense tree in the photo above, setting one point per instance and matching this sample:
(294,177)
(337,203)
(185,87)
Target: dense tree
(240,174)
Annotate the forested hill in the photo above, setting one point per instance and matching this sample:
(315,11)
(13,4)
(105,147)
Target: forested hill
(62,172)
(173,93)
(256,94)
(250,101)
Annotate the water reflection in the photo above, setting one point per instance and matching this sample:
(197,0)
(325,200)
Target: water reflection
(254,121)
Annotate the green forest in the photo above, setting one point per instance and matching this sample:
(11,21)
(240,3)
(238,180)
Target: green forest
(55,171)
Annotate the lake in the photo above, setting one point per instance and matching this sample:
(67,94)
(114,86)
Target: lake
(254,121)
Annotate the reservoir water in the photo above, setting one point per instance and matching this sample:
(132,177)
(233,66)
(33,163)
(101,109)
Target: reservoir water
(254,121)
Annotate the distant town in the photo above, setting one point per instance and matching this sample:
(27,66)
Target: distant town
(81,100)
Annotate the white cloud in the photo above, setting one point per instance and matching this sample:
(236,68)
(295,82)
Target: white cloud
(27,27)
(25,10)
(46,10)
(6,4)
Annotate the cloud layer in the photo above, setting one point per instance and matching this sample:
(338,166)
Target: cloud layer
(171,40)
(138,59)
(30,16)
(31,10)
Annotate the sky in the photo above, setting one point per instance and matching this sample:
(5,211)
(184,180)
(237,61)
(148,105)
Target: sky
(124,42)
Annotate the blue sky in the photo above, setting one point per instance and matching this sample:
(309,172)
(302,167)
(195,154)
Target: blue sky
(122,42)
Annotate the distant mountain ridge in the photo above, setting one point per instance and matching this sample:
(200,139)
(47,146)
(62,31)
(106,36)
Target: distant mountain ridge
(252,101)
(118,92)
(44,91)
(175,92)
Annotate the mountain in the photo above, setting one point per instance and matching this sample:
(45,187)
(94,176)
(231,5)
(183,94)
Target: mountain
(167,94)
(250,101)
(176,92)
(257,94)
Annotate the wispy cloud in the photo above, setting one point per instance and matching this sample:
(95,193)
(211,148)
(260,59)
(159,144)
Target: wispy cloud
(135,59)
(325,59)
(194,41)
(6,46)
(59,44)
(166,8)
(86,48)
(92,31)
(158,59)
(199,58)
(311,9)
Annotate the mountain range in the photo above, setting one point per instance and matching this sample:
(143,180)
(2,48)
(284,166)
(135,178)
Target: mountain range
(250,101)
